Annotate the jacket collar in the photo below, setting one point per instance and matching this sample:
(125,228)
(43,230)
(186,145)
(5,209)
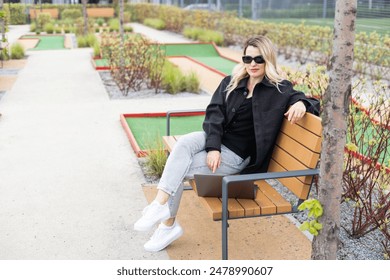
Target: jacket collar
(244,82)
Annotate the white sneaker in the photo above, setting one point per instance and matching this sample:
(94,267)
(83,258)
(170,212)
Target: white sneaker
(163,236)
(152,214)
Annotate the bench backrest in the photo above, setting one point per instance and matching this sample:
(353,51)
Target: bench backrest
(298,147)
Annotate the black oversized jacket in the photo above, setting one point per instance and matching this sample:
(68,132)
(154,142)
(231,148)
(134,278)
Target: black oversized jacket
(269,106)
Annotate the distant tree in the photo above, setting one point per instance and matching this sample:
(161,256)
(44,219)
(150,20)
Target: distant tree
(334,119)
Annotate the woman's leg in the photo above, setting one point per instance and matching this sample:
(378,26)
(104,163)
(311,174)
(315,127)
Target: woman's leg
(170,186)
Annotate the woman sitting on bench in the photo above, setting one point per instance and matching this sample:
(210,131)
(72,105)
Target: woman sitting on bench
(241,124)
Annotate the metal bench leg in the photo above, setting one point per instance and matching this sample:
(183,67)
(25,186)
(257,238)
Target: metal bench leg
(224,223)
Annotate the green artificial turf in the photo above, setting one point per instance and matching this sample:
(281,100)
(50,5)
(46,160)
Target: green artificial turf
(101,62)
(49,42)
(192,50)
(204,53)
(148,131)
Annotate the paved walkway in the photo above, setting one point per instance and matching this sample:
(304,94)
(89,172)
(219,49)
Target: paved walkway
(70,184)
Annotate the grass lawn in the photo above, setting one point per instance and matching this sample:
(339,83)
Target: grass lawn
(381,26)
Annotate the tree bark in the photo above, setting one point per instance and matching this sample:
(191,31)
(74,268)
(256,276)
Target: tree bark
(334,119)
(2,22)
(85,16)
(121,17)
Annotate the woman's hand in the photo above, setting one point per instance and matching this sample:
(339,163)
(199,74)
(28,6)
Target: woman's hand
(296,112)
(213,160)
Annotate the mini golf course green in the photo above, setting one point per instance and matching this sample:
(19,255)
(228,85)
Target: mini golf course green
(203,53)
(145,131)
(51,42)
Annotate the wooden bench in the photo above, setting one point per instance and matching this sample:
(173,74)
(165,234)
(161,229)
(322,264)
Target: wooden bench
(293,164)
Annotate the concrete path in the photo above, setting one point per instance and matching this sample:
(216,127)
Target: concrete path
(70,184)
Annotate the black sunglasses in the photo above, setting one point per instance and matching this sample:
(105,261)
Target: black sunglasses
(248,59)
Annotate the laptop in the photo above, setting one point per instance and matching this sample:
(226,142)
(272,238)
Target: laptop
(211,186)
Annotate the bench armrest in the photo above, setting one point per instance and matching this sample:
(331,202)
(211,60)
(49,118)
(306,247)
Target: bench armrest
(259,176)
(174,112)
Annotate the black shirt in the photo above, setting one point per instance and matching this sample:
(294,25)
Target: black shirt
(239,135)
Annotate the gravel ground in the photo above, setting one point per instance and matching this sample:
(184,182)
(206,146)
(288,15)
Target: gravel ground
(367,247)
(114,92)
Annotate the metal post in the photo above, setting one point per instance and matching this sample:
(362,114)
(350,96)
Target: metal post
(224,220)
(324,5)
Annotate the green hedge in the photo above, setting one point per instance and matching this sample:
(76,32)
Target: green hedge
(302,41)
(16,13)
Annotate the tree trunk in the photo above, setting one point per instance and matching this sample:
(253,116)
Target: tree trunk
(334,119)
(85,16)
(2,22)
(121,11)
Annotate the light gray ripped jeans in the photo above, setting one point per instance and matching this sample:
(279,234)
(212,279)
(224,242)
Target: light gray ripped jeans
(187,158)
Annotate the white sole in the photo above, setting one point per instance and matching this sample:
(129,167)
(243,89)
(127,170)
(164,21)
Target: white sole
(167,243)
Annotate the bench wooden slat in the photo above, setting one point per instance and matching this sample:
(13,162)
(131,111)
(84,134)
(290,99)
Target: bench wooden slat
(282,205)
(302,135)
(266,205)
(235,210)
(300,189)
(251,208)
(290,163)
(297,150)
(312,123)
(214,206)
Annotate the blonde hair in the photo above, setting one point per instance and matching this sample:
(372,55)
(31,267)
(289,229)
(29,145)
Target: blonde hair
(268,52)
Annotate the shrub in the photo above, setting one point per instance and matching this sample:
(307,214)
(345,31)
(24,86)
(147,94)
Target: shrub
(172,78)
(155,23)
(204,35)
(211,36)
(96,49)
(86,41)
(71,14)
(33,27)
(128,28)
(156,159)
(17,51)
(192,32)
(67,29)
(192,83)
(49,28)
(113,24)
(100,21)
(43,19)
(58,29)
(82,42)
